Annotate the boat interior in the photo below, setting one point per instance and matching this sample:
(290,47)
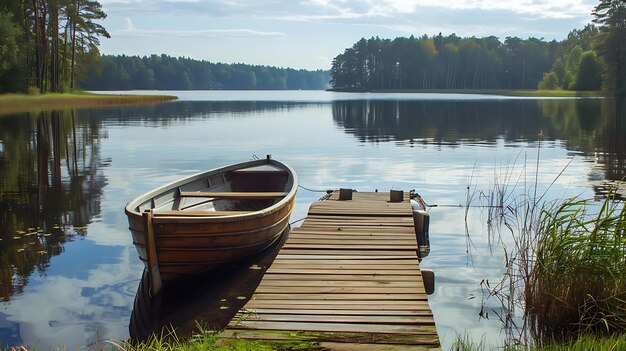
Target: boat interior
(225,193)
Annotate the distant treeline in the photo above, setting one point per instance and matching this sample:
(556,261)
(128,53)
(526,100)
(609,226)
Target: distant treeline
(593,58)
(445,62)
(170,73)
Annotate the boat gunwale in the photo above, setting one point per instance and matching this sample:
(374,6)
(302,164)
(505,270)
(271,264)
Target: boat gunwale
(133,204)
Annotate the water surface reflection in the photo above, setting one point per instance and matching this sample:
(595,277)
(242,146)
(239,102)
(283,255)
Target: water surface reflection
(209,301)
(51,184)
(593,127)
(68,268)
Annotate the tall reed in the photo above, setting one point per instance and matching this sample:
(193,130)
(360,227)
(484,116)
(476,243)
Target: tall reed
(566,268)
(577,285)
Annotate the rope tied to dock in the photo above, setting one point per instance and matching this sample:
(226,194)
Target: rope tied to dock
(328,191)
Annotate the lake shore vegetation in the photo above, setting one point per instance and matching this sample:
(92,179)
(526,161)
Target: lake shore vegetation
(565,278)
(501,92)
(17,103)
(46,44)
(576,283)
(589,59)
(585,343)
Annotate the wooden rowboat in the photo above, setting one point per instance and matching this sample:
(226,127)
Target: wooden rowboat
(201,222)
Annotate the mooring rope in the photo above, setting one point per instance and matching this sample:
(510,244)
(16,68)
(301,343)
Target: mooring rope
(418,197)
(463,206)
(297,220)
(315,191)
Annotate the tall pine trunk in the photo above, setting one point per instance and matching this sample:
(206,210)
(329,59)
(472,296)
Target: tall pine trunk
(27,36)
(41,42)
(54,49)
(63,65)
(73,60)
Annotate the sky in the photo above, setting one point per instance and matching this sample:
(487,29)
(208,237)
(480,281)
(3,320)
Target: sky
(308,34)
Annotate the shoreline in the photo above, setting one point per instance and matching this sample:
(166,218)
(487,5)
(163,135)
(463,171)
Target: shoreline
(20,103)
(502,92)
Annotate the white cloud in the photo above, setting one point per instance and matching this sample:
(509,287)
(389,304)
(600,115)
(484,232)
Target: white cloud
(324,60)
(539,8)
(348,9)
(129,24)
(131,31)
(340,23)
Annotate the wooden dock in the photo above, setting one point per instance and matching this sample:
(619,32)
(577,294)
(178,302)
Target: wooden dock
(347,279)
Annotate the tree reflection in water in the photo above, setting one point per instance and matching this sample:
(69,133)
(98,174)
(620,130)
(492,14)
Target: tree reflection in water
(50,190)
(593,127)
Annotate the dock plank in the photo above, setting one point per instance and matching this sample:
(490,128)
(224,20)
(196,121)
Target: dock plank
(347,278)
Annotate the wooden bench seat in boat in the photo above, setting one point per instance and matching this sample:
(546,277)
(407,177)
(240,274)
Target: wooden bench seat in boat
(257,171)
(198,213)
(234,195)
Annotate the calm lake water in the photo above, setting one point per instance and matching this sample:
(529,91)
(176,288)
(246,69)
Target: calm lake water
(69,272)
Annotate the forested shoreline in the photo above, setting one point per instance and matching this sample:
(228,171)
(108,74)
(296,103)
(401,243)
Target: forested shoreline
(163,72)
(589,59)
(46,44)
(52,46)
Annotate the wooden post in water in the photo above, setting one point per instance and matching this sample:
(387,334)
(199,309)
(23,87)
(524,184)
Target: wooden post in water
(153,263)
(345,194)
(396,196)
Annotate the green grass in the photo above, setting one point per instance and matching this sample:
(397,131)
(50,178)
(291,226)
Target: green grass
(615,342)
(18,103)
(201,340)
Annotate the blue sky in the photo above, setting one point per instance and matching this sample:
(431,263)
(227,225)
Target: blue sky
(310,33)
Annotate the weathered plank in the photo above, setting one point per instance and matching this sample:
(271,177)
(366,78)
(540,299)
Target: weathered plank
(334,312)
(417,277)
(336,327)
(338,290)
(330,296)
(347,338)
(344,283)
(337,318)
(340,305)
(344,265)
(313,270)
(319,261)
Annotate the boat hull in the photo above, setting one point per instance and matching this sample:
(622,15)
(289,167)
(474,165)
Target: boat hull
(185,243)
(191,247)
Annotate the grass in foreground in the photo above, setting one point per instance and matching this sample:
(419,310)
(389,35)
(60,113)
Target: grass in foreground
(587,343)
(203,340)
(17,103)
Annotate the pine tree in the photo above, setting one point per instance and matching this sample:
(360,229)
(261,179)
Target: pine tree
(610,15)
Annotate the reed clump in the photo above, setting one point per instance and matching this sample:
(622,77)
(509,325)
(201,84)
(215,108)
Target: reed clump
(577,283)
(565,277)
